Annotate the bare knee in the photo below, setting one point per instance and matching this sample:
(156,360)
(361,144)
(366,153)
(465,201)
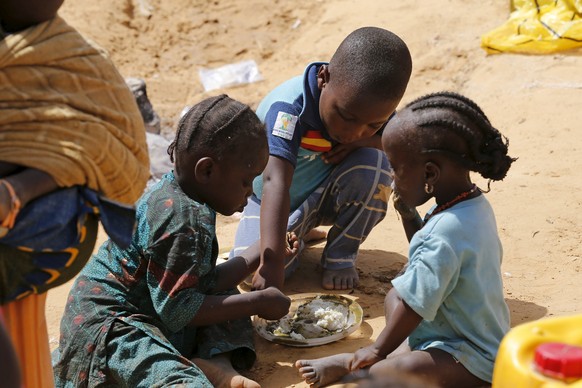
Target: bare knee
(413,367)
(433,366)
(387,374)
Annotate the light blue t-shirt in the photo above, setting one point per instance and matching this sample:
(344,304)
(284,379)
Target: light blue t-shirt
(453,281)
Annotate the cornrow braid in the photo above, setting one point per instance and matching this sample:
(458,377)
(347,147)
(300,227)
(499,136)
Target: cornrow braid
(451,96)
(191,120)
(218,126)
(458,115)
(224,127)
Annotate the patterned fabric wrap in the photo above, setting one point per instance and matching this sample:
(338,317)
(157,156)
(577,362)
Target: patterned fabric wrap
(66,110)
(53,238)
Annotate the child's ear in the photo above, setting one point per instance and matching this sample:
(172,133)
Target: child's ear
(204,169)
(322,76)
(432,173)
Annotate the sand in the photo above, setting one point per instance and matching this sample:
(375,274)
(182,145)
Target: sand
(533,100)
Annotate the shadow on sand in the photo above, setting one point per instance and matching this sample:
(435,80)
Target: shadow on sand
(522,311)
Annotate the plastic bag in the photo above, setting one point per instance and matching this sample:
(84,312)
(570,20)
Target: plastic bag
(229,75)
(538,27)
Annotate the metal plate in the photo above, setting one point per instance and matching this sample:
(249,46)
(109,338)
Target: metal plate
(285,330)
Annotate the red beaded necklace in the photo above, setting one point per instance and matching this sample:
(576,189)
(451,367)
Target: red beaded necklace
(452,202)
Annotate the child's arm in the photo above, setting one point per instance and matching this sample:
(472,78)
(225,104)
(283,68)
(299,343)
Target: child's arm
(235,270)
(269,303)
(411,226)
(411,220)
(275,206)
(232,272)
(27,185)
(179,286)
(400,322)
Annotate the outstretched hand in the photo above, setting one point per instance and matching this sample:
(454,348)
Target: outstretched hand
(292,246)
(274,304)
(365,357)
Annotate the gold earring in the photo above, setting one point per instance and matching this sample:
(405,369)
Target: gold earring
(428,188)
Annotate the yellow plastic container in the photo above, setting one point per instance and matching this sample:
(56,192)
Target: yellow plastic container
(515,366)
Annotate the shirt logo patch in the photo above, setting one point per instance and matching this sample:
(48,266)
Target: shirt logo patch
(285,125)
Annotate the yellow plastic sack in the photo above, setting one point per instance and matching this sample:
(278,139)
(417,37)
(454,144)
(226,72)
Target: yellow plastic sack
(538,27)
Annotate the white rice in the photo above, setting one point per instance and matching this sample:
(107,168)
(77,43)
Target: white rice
(329,315)
(317,317)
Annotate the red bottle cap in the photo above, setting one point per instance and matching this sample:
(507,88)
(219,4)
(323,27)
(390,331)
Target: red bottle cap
(559,360)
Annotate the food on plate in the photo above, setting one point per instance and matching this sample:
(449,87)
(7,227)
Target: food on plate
(316,318)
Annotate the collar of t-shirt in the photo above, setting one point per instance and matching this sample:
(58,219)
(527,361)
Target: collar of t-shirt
(311,93)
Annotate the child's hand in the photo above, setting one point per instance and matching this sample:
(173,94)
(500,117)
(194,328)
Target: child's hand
(365,357)
(405,211)
(340,151)
(273,303)
(270,274)
(292,246)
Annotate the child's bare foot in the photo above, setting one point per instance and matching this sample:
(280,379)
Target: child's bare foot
(221,374)
(324,371)
(314,234)
(340,279)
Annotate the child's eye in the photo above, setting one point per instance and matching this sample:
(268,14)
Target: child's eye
(344,116)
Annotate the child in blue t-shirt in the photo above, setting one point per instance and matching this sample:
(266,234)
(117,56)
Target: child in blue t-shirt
(326,166)
(446,314)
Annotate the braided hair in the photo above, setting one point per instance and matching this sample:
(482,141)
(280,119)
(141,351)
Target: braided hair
(216,126)
(449,118)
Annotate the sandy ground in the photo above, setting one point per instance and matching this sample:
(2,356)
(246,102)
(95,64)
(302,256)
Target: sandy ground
(534,100)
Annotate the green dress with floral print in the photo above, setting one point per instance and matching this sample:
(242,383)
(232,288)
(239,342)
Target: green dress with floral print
(127,318)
